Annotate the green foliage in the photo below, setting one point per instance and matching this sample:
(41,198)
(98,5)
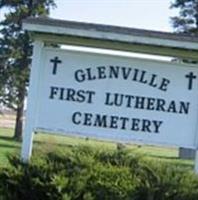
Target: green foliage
(84,173)
(16,51)
(187,20)
(15,46)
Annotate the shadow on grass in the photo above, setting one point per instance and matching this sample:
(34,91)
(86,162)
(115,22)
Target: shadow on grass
(175,160)
(9,142)
(165,157)
(58,144)
(10,139)
(14,146)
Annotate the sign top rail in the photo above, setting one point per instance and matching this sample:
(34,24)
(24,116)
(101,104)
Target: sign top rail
(41,22)
(113,37)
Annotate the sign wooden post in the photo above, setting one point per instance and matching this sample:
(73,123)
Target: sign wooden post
(110,97)
(32,103)
(196,162)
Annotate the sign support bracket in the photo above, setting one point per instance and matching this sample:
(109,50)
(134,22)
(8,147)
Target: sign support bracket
(196,161)
(31,103)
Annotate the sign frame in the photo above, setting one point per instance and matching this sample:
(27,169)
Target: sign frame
(161,46)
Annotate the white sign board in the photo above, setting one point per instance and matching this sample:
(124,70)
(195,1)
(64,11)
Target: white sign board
(117,98)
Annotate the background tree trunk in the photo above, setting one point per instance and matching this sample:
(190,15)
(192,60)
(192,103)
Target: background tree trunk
(19,116)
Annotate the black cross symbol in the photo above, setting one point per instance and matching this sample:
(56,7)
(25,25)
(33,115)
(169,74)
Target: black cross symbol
(56,61)
(190,76)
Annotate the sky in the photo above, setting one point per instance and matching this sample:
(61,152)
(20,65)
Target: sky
(143,14)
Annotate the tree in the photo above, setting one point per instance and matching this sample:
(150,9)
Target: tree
(15,53)
(187,21)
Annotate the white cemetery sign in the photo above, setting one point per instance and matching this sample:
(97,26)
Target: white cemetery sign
(111,97)
(117,98)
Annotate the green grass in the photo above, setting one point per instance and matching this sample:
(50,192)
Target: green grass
(44,143)
(7,145)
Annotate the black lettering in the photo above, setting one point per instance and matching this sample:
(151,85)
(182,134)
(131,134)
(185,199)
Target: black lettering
(152,82)
(70,94)
(90,96)
(53,91)
(139,103)
(113,122)
(164,84)
(123,122)
(80,96)
(190,76)
(150,103)
(184,107)
(172,107)
(89,75)
(79,75)
(101,121)
(76,118)
(62,93)
(135,124)
(128,99)
(146,124)
(157,125)
(113,71)
(160,105)
(101,72)
(87,119)
(126,72)
(142,78)
(107,99)
(135,74)
(118,100)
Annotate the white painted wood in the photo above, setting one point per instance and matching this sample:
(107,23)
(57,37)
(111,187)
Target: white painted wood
(196,162)
(113,36)
(56,112)
(32,103)
(196,145)
(116,45)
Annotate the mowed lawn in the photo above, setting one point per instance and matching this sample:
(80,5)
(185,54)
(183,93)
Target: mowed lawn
(44,143)
(7,145)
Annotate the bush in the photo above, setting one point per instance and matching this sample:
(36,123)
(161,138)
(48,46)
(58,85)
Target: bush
(84,173)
